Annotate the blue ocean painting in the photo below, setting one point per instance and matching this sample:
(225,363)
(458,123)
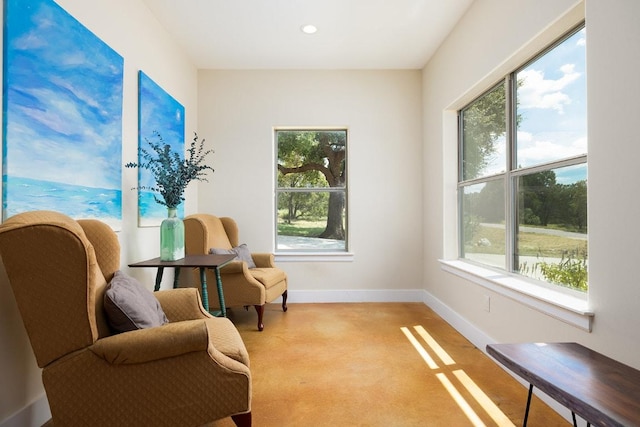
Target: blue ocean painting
(159,114)
(62,104)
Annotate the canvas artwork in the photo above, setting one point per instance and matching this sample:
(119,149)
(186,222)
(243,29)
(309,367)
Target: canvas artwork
(62,90)
(159,114)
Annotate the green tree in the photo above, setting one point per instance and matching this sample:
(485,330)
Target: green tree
(539,199)
(490,203)
(484,122)
(574,198)
(543,201)
(310,154)
(300,204)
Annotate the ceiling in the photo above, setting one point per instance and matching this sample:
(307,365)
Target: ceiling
(266,34)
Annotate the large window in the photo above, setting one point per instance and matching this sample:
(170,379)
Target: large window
(523,170)
(311,190)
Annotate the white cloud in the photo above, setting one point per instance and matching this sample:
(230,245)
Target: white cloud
(534,151)
(538,92)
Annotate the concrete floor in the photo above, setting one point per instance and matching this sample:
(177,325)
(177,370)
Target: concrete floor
(375,364)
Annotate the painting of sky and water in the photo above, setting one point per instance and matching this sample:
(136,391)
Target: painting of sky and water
(159,114)
(62,105)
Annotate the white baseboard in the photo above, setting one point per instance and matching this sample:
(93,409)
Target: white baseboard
(34,415)
(384,295)
(459,323)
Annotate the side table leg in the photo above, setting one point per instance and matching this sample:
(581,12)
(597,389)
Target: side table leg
(158,278)
(205,293)
(223,309)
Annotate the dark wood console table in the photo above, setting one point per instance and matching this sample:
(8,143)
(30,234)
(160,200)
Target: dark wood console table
(601,390)
(202,262)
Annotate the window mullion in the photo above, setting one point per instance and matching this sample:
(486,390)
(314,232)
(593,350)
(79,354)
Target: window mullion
(510,192)
(461,253)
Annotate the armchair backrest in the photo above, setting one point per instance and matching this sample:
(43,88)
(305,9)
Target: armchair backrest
(105,245)
(57,279)
(205,231)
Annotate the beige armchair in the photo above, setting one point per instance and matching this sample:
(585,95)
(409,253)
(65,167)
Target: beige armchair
(188,372)
(242,286)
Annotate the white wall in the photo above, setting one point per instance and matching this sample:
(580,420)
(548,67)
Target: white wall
(237,113)
(493,38)
(129,28)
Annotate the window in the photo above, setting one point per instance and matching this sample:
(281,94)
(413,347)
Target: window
(311,190)
(522,187)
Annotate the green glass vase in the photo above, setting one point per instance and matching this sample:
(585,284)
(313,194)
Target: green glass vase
(172,237)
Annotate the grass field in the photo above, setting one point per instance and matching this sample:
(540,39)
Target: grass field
(530,244)
(301,228)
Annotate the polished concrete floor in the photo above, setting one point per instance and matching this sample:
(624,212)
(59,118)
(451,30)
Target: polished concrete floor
(378,364)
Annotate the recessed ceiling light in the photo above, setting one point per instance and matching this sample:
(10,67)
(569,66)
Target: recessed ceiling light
(309,29)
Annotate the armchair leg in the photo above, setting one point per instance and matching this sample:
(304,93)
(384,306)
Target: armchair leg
(284,301)
(242,420)
(260,311)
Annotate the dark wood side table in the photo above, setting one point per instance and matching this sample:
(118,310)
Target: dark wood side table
(202,262)
(601,390)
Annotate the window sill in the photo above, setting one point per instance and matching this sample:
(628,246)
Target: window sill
(571,309)
(314,256)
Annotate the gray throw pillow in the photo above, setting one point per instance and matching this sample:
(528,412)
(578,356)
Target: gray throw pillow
(242,252)
(130,306)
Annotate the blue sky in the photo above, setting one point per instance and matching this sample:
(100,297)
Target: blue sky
(552,105)
(553,110)
(63,98)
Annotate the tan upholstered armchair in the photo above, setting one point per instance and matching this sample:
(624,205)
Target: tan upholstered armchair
(242,286)
(188,372)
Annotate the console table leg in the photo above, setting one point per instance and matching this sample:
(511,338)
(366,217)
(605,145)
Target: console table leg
(526,412)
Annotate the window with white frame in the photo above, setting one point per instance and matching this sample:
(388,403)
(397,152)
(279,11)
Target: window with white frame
(311,190)
(522,186)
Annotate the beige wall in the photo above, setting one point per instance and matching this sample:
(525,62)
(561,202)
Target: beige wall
(237,113)
(129,28)
(492,39)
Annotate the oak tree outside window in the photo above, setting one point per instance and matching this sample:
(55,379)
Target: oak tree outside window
(311,190)
(522,185)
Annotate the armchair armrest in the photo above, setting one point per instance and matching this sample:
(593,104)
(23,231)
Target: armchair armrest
(181,304)
(264,259)
(234,267)
(145,345)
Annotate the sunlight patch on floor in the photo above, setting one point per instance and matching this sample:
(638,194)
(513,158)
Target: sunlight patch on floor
(467,383)
(443,355)
(487,404)
(462,403)
(419,348)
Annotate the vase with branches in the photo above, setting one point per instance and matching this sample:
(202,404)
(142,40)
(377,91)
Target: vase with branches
(172,173)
